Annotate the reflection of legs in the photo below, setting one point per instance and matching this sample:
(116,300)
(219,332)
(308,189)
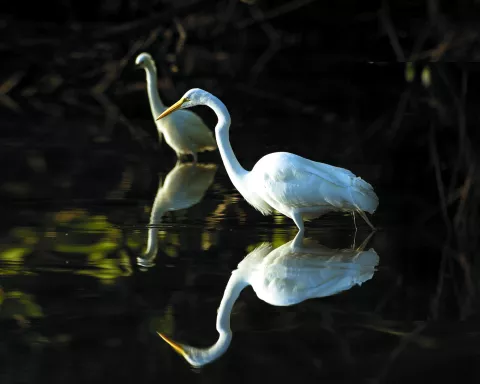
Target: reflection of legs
(355,235)
(365,242)
(298,241)
(195,158)
(364,217)
(297,218)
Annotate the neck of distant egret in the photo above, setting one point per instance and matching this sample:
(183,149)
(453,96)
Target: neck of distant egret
(199,357)
(235,171)
(156,104)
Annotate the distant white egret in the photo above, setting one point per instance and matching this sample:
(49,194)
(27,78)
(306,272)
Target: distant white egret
(184,131)
(299,188)
(184,186)
(284,276)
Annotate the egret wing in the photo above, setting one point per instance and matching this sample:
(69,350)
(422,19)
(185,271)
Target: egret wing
(296,182)
(196,130)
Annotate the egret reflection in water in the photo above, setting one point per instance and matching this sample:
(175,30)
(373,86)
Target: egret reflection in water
(184,186)
(294,272)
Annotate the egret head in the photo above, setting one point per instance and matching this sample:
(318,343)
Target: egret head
(198,357)
(144,59)
(194,96)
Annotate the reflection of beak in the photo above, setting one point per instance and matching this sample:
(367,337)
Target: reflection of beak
(173,108)
(177,347)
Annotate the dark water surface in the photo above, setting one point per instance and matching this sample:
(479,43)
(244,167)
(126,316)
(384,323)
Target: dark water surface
(76,307)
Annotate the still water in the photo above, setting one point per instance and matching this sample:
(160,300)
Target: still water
(104,248)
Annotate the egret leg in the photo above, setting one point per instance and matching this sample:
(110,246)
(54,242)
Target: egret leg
(365,242)
(364,217)
(297,219)
(355,235)
(195,157)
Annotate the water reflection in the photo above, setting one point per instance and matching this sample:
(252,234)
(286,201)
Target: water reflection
(294,272)
(184,186)
(19,306)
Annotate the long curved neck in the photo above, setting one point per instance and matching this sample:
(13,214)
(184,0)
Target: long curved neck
(158,211)
(234,286)
(235,171)
(156,104)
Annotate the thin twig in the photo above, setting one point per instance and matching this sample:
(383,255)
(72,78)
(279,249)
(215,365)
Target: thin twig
(182,37)
(273,46)
(384,14)
(276,12)
(443,204)
(399,349)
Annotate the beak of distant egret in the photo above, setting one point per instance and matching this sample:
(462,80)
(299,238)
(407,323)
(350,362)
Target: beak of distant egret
(173,108)
(177,347)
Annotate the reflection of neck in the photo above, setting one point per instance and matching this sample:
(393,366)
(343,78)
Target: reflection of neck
(152,244)
(152,239)
(235,285)
(156,105)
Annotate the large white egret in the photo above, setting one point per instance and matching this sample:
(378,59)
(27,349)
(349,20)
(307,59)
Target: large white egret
(299,188)
(184,186)
(184,131)
(287,275)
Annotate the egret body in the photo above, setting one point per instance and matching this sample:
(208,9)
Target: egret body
(299,188)
(184,131)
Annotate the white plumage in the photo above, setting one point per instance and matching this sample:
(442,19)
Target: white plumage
(287,275)
(289,181)
(184,131)
(184,186)
(299,188)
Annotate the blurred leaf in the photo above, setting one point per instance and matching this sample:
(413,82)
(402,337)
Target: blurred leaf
(279,237)
(278,219)
(206,240)
(171,250)
(17,303)
(426,76)
(135,239)
(174,238)
(28,235)
(14,255)
(94,223)
(108,269)
(101,247)
(69,215)
(409,72)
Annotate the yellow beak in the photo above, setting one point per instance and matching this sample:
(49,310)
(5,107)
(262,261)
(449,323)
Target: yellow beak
(173,108)
(177,347)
